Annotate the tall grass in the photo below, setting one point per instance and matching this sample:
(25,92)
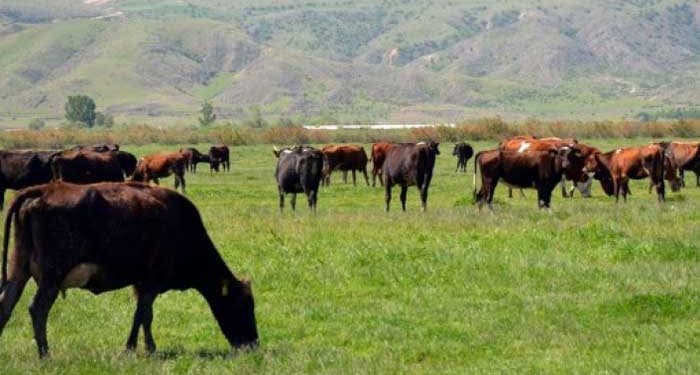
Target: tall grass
(473,130)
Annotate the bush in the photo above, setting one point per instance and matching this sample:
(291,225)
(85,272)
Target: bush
(37,124)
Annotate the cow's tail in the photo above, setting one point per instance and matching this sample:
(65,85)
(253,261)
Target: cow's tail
(30,193)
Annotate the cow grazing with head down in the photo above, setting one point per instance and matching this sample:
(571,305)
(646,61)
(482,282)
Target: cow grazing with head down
(463,151)
(379,151)
(345,158)
(21,169)
(192,158)
(219,155)
(615,168)
(155,166)
(86,167)
(299,170)
(113,235)
(408,164)
(542,170)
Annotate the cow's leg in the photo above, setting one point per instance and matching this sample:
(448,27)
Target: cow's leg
(155,181)
(312,196)
(564,193)
(143,316)
(281,194)
(661,190)
(2,199)
(387,195)
(354,182)
(39,311)
(402,196)
(424,197)
(374,178)
(293,201)
(681,172)
(616,189)
(459,162)
(345,177)
(364,171)
(510,192)
(544,197)
(9,295)
(697,178)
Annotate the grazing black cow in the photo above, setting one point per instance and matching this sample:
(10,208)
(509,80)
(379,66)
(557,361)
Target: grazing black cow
(463,151)
(192,158)
(86,167)
(408,164)
(299,169)
(21,169)
(219,155)
(106,236)
(542,170)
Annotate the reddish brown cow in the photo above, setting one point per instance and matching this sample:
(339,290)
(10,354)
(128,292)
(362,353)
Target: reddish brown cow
(153,167)
(686,157)
(615,168)
(345,158)
(379,151)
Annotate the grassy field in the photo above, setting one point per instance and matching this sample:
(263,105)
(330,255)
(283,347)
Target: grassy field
(587,287)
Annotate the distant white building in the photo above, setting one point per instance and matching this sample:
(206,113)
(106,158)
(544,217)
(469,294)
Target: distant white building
(376,126)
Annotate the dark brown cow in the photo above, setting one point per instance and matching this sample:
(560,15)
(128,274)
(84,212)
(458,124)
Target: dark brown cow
(299,170)
(686,157)
(615,168)
(192,158)
(408,164)
(86,167)
(21,169)
(107,236)
(463,151)
(542,170)
(379,151)
(345,158)
(153,167)
(219,154)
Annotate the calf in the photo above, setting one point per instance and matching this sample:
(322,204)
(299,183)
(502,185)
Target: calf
(219,155)
(463,152)
(542,170)
(103,237)
(153,167)
(299,170)
(615,168)
(345,158)
(409,164)
(21,169)
(379,151)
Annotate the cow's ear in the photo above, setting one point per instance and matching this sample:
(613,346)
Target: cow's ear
(247,289)
(225,284)
(276,153)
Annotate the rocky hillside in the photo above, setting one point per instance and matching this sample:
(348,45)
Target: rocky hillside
(343,60)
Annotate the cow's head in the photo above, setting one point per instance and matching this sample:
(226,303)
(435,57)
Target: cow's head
(234,309)
(671,173)
(434,146)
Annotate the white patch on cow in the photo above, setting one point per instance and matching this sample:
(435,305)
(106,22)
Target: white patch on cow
(524,146)
(420,143)
(79,275)
(619,150)
(285,152)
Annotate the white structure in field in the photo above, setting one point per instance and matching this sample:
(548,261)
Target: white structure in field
(376,126)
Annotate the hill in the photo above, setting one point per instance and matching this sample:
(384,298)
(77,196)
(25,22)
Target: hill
(392,60)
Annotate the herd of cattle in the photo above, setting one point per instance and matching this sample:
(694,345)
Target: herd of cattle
(105,236)
(520,162)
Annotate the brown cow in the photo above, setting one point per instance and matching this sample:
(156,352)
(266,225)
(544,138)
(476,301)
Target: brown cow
(86,167)
(107,236)
(686,157)
(219,154)
(542,170)
(345,158)
(378,155)
(408,164)
(615,168)
(192,158)
(153,167)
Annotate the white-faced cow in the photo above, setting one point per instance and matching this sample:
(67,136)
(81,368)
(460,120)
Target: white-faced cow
(107,236)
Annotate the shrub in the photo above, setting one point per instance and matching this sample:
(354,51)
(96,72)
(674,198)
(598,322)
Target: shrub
(37,124)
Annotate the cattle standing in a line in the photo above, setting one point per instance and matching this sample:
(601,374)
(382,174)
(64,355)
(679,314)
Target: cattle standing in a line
(463,151)
(345,158)
(542,170)
(686,157)
(85,166)
(153,167)
(219,154)
(113,235)
(615,168)
(408,164)
(192,158)
(299,170)
(379,151)
(21,169)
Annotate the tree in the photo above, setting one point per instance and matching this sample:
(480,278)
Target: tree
(208,116)
(36,124)
(104,119)
(80,108)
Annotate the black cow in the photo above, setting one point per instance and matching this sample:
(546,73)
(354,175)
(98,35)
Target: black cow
(299,169)
(86,166)
(408,164)
(463,152)
(542,170)
(106,236)
(21,169)
(219,155)
(192,158)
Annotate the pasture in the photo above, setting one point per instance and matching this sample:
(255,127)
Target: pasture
(590,286)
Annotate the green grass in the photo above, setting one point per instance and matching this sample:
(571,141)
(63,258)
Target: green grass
(588,287)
